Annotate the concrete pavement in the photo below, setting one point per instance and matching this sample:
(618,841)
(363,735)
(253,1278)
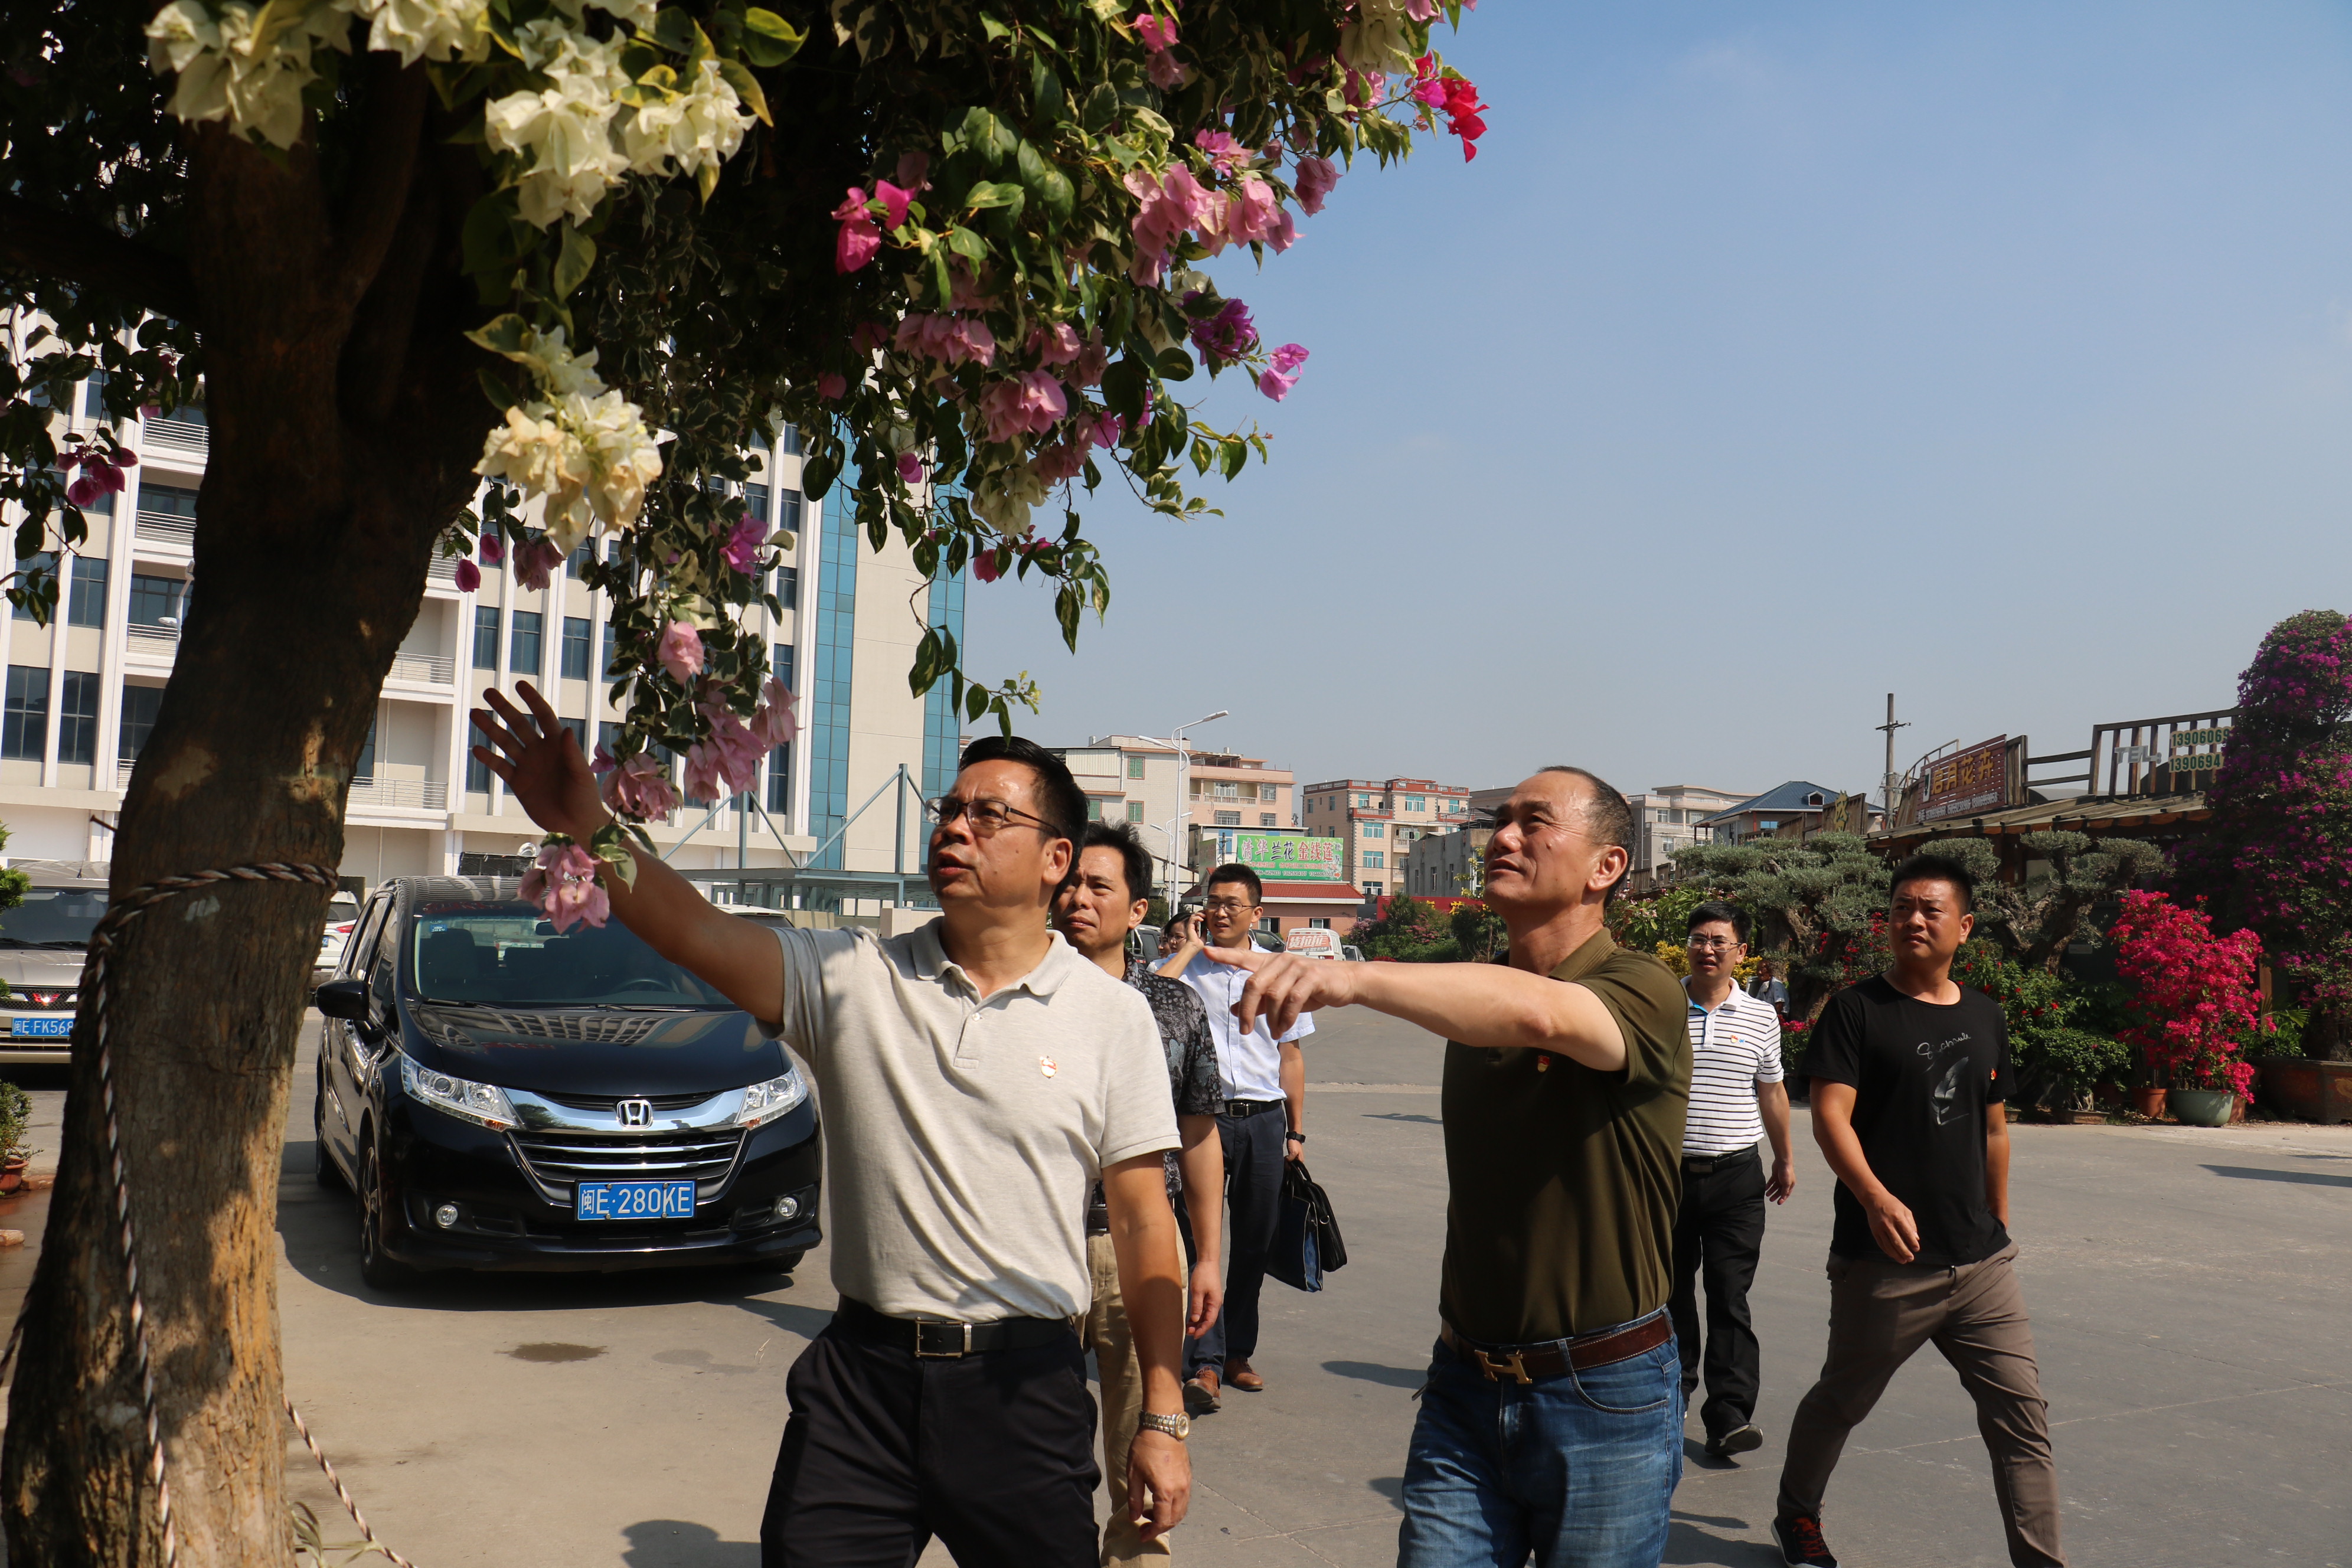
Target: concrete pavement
(2187,1291)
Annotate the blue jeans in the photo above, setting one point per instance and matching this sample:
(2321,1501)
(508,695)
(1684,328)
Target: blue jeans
(1580,1470)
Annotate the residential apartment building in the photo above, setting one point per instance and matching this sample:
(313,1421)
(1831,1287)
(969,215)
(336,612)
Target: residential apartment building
(1776,811)
(1446,865)
(82,694)
(1164,794)
(1667,819)
(1378,822)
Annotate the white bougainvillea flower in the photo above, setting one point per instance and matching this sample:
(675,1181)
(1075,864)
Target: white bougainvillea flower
(1004,496)
(244,64)
(428,29)
(1376,40)
(564,129)
(699,125)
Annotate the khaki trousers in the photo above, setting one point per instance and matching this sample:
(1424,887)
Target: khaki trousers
(1880,1313)
(1105,1333)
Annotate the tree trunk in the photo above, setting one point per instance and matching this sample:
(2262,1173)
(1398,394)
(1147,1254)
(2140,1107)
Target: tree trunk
(344,419)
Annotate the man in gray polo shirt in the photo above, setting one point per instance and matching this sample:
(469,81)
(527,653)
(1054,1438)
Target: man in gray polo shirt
(977,1075)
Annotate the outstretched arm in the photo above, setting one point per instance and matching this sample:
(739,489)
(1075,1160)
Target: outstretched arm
(1486,1005)
(543,767)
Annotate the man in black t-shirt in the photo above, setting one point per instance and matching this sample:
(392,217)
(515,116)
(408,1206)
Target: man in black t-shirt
(1910,1073)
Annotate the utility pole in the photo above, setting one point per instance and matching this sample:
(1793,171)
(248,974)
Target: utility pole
(1889,783)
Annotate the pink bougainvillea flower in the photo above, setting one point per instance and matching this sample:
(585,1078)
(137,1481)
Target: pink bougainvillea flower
(867,336)
(1282,374)
(1227,335)
(470,578)
(1086,369)
(1055,344)
(894,202)
(910,468)
(744,543)
(493,548)
(859,240)
(681,652)
(536,562)
(1225,154)
(1171,206)
(1465,115)
(1251,211)
(1105,428)
(984,567)
(1031,403)
(774,724)
(1316,178)
(1159,36)
(830,386)
(563,881)
(640,788)
(912,169)
(1062,460)
(85,491)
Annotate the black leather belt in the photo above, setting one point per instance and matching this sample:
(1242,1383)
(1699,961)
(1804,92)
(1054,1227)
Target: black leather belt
(1717,1161)
(1250,1107)
(1558,1358)
(948,1341)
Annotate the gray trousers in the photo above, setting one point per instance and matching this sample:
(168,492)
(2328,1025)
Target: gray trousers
(1880,1313)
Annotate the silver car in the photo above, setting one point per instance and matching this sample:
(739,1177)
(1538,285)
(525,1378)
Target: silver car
(43,944)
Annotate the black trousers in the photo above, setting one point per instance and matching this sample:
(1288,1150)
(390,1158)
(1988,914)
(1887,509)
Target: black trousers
(992,1453)
(1719,1232)
(1253,1150)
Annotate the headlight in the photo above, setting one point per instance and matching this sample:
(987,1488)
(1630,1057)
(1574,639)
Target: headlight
(766,1102)
(483,1104)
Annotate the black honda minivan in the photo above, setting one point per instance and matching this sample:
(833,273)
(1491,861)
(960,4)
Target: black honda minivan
(501,1097)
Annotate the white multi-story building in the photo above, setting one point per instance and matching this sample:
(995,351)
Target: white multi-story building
(81,694)
(1666,820)
(1166,794)
(1378,821)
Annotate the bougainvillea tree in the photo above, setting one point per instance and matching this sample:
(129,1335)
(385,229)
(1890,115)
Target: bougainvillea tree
(2195,1003)
(2277,857)
(530,273)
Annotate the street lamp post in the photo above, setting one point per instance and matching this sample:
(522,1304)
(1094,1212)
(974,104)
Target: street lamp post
(1175,827)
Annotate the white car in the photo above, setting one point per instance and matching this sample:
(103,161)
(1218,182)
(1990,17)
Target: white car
(342,914)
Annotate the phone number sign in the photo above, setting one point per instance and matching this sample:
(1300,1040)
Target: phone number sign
(1974,780)
(1283,858)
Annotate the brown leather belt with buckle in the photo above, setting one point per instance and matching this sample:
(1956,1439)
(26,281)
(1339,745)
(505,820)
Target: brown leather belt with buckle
(1559,1357)
(948,1341)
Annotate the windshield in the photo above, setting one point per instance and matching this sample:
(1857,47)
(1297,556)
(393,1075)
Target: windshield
(53,917)
(508,953)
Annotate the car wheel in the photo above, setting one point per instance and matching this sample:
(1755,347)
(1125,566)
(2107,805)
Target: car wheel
(322,1164)
(383,1272)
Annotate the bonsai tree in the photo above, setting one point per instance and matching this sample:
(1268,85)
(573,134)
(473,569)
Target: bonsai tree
(2037,920)
(2195,1001)
(453,276)
(1812,901)
(2276,857)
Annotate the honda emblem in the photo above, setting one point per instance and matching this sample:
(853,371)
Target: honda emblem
(636,1112)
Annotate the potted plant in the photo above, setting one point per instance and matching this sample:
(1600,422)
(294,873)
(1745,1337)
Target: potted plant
(2195,1006)
(15,1112)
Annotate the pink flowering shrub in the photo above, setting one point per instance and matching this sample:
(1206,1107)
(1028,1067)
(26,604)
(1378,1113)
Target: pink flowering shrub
(563,881)
(2277,857)
(2196,1000)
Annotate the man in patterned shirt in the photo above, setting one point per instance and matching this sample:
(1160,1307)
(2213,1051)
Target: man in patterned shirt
(1106,898)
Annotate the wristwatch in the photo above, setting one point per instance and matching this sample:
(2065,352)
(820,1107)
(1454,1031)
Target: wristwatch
(1296,1137)
(1178,1426)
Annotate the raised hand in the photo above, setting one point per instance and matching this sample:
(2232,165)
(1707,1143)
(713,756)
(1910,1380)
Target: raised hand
(1282,985)
(540,764)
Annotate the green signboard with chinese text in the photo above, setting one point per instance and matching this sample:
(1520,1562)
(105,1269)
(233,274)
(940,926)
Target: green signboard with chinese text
(1289,857)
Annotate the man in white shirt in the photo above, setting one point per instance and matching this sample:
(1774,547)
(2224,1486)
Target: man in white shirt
(1263,1125)
(1738,1099)
(978,1075)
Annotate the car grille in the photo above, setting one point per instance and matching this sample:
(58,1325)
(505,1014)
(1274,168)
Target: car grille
(604,1102)
(40,999)
(558,1159)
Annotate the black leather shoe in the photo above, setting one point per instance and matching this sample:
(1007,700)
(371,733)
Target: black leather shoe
(1740,1439)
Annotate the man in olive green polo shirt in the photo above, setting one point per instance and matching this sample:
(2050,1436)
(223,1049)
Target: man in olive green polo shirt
(1552,1422)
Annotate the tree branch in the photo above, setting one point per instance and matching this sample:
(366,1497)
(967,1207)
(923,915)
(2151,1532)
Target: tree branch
(381,178)
(75,250)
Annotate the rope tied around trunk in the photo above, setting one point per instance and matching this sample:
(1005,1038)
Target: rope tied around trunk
(119,915)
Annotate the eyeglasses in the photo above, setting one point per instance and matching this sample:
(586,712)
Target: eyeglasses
(1713,943)
(1228,906)
(989,817)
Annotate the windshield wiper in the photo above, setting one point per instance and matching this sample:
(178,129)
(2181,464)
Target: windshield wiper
(77,943)
(452,1002)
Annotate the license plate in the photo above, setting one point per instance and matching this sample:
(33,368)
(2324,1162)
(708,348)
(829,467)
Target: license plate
(632,1200)
(42,1028)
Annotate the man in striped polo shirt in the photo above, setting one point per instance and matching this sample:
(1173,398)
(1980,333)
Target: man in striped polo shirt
(1737,1099)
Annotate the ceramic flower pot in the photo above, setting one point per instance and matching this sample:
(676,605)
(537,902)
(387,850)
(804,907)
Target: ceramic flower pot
(2202,1107)
(12,1172)
(2149,1100)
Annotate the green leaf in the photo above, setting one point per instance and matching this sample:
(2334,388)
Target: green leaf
(487,241)
(994,31)
(1202,455)
(1047,183)
(501,334)
(675,30)
(706,179)
(494,386)
(1233,457)
(1174,365)
(1123,386)
(968,244)
(1100,109)
(769,39)
(991,193)
(747,87)
(571,267)
(987,135)
(1044,89)
(818,474)
(975,703)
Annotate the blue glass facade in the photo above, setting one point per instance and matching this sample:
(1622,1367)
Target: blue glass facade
(829,700)
(941,722)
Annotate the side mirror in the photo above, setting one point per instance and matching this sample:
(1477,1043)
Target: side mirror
(345,999)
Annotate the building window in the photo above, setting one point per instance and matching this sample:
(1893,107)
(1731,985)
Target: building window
(365,767)
(788,509)
(477,771)
(1227,790)
(78,718)
(575,647)
(1372,890)
(1269,791)
(579,728)
(1318,922)
(47,560)
(1375,830)
(486,637)
(779,781)
(525,651)
(25,722)
(788,441)
(1375,860)
(609,648)
(171,500)
(140,705)
(575,562)
(85,600)
(155,601)
(1416,802)
(788,586)
(1266,820)
(1093,809)
(755,501)
(784,664)
(93,396)
(1227,819)
(1135,811)
(1135,767)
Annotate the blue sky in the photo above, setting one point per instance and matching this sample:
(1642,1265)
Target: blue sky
(1770,357)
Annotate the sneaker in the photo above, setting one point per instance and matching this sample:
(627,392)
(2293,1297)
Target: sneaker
(1801,1542)
(1201,1393)
(1742,1439)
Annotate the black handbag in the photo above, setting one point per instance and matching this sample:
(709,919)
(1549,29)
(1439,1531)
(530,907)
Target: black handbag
(1307,1243)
